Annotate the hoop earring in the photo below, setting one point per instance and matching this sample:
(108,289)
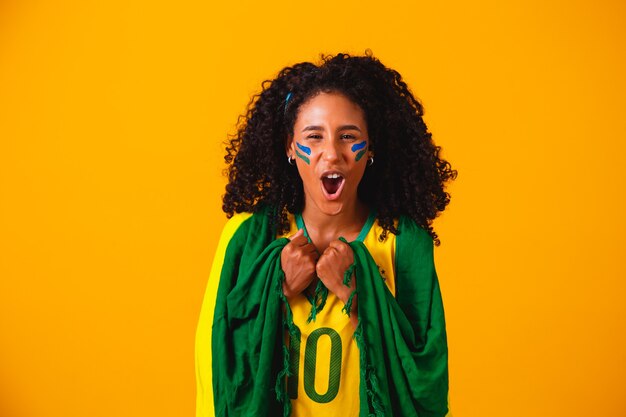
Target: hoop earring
(291,160)
(370,161)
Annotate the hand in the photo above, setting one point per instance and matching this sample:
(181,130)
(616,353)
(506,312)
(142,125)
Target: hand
(331,267)
(297,260)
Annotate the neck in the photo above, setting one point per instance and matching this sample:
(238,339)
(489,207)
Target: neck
(349,220)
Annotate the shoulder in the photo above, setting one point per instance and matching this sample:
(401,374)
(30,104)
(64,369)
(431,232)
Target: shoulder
(234,226)
(246,220)
(414,251)
(248,229)
(235,222)
(407,224)
(411,235)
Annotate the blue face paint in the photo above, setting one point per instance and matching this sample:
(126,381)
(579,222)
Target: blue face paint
(304,149)
(361,147)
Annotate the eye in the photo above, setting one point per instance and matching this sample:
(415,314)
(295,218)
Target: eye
(314,136)
(348,136)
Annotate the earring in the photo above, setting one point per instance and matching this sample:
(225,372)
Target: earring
(370,161)
(291,160)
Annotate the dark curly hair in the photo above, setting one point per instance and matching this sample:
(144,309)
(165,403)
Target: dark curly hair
(408,177)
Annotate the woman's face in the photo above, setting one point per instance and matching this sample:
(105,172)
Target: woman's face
(330,146)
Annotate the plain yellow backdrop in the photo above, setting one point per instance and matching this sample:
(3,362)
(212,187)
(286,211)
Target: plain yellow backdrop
(112,118)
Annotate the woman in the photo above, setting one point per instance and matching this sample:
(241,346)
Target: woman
(323,298)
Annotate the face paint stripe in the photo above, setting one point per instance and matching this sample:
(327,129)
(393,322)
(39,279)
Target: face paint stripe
(360,155)
(304,158)
(304,149)
(358,146)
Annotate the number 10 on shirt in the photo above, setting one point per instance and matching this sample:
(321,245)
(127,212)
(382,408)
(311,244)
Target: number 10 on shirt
(310,364)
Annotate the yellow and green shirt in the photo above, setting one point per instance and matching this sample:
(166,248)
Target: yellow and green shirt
(326,377)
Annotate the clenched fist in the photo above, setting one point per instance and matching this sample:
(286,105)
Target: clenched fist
(332,266)
(297,260)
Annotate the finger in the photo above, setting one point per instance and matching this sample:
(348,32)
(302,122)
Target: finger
(331,249)
(308,248)
(315,255)
(338,244)
(300,232)
(330,252)
(342,249)
(299,241)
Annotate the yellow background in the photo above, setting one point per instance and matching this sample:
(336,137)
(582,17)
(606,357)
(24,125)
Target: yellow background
(112,116)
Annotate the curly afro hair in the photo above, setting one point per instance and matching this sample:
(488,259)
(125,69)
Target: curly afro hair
(408,177)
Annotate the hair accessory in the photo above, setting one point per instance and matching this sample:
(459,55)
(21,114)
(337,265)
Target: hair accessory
(370,161)
(291,160)
(286,102)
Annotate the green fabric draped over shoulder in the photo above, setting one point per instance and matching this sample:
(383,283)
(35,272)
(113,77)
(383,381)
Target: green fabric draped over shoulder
(247,323)
(402,340)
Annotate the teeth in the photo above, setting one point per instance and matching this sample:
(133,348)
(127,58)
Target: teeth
(333,176)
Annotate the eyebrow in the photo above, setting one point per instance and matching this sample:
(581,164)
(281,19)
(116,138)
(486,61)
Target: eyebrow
(344,127)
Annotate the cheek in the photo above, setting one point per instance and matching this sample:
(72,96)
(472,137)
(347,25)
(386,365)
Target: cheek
(359,150)
(360,169)
(306,171)
(361,163)
(310,182)
(304,153)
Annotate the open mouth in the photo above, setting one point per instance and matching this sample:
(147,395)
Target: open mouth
(332,184)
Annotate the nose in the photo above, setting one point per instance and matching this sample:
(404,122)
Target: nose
(332,151)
